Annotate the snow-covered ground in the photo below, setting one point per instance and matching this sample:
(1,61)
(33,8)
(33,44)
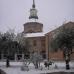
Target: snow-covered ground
(15,68)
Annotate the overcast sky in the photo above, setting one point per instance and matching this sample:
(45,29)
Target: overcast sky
(52,13)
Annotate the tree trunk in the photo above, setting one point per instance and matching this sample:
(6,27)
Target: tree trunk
(7,62)
(67,65)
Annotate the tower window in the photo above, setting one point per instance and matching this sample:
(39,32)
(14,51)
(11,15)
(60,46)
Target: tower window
(34,43)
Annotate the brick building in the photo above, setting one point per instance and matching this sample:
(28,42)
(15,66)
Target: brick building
(40,42)
(57,55)
(34,33)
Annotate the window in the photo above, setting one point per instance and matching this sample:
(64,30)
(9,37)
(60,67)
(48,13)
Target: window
(34,43)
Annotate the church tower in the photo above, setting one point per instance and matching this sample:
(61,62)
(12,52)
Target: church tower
(33,26)
(33,12)
(33,31)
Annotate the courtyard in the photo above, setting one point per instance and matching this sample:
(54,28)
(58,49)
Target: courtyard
(15,68)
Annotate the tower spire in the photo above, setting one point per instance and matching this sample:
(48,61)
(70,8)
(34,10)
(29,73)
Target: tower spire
(33,6)
(33,12)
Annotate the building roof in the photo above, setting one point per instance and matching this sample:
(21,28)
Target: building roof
(69,24)
(34,23)
(35,34)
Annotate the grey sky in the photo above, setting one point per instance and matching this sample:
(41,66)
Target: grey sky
(52,13)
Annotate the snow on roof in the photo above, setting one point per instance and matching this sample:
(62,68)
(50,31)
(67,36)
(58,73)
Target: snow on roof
(35,34)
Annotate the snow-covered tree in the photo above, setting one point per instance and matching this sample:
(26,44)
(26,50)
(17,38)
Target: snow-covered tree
(36,58)
(64,41)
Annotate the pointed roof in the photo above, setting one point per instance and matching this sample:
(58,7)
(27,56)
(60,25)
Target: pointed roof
(33,12)
(33,6)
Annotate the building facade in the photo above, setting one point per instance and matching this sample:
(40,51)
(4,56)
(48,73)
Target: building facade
(34,33)
(51,53)
(39,42)
(33,27)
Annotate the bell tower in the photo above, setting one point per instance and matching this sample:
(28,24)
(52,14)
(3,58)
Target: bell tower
(33,26)
(33,12)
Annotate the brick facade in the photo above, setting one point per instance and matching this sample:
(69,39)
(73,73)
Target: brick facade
(37,44)
(49,36)
(33,27)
